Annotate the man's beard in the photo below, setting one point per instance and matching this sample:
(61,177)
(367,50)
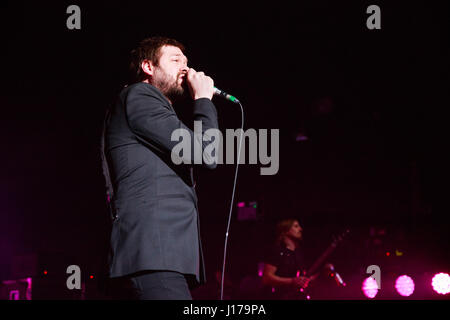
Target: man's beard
(169,87)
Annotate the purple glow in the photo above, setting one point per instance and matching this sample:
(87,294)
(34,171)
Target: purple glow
(29,289)
(370,287)
(301,137)
(441,283)
(404,286)
(260,269)
(241,204)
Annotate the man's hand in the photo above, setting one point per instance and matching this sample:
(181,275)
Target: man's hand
(300,282)
(200,85)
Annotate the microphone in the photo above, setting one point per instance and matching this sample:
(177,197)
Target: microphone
(225,95)
(335,275)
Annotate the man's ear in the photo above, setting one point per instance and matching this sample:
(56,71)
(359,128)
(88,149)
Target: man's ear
(147,67)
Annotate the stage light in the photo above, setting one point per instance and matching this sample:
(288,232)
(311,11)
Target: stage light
(261,269)
(370,287)
(404,285)
(301,137)
(441,283)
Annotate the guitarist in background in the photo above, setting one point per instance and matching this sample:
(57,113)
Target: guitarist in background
(284,262)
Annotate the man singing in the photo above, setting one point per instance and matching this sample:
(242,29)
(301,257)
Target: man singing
(155,236)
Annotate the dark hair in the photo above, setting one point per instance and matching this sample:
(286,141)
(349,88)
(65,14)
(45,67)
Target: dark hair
(149,49)
(282,227)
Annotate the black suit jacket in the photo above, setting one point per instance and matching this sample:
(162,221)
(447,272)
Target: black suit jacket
(155,224)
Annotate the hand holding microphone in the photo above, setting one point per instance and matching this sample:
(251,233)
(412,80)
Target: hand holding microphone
(200,87)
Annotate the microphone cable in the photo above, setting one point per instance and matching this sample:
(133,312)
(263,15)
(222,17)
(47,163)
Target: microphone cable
(232,200)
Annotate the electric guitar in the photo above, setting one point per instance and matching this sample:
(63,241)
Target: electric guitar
(312,272)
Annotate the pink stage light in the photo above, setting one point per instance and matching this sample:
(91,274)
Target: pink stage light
(404,285)
(241,204)
(261,269)
(441,283)
(370,288)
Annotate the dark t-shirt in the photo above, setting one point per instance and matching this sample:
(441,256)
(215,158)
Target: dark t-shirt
(286,261)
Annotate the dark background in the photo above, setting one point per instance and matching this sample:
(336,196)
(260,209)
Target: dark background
(371,102)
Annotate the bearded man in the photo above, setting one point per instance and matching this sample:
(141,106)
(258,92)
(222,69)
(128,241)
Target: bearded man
(156,251)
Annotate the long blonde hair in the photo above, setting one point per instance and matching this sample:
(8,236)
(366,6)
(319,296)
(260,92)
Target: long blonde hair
(283,227)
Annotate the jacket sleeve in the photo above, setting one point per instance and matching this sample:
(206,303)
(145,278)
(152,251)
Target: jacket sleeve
(150,118)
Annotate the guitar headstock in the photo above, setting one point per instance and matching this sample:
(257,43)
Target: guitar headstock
(341,236)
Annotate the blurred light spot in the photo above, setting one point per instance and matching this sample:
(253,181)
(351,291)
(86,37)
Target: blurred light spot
(370,287)
(404,285)
(441,283)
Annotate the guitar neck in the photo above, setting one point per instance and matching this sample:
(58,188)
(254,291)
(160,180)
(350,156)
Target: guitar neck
(321,259)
